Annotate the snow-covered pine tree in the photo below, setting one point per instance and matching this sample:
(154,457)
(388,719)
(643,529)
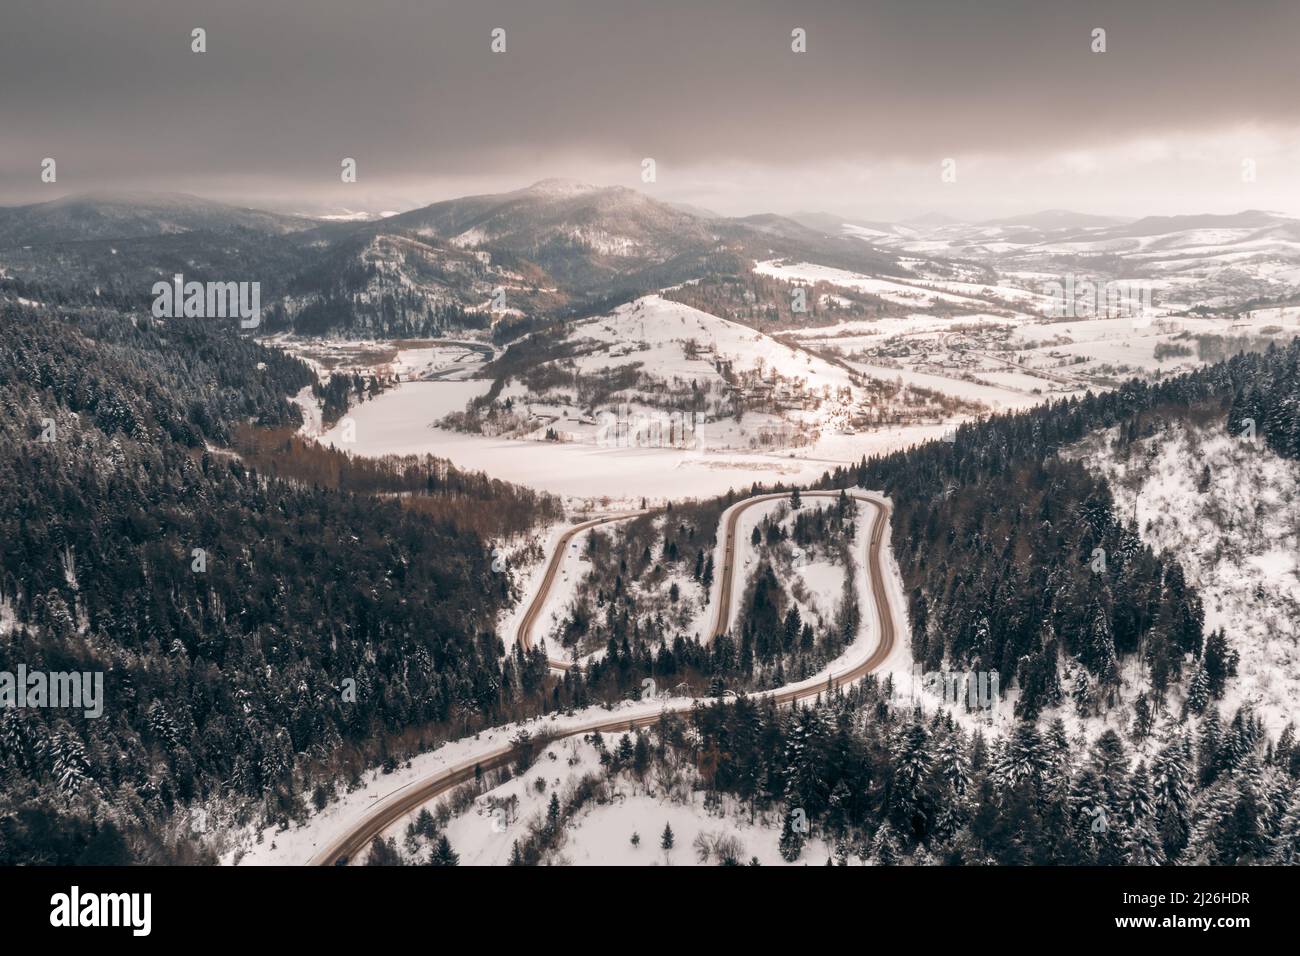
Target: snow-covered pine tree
(1172,777)
(910,803)
(792,837)
(1142,845)
(884,846)
(1020,759)
(443,854)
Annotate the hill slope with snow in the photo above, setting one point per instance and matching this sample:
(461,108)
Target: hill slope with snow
(1227,507)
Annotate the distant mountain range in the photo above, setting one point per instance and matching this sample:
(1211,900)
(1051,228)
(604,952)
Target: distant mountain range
(554,248)
(560,248)
(126,215)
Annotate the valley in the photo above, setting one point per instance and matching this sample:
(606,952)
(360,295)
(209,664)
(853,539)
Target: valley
(602,434)
(645,428)
(596,407)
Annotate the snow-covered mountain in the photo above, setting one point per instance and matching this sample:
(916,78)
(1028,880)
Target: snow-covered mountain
(556,213)
(127,215)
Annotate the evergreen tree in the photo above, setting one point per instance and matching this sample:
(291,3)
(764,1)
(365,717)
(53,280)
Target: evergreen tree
(910,800)
(1020,760)
(1207,749)
(384,853)
(553,814)
(1142,843)
(443,855)
(1171,773)
(884,846)
(791,842)
(1285,850)
(1198,690)
(1219,663)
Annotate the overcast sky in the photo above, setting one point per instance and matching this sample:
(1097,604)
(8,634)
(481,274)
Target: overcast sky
(858,125)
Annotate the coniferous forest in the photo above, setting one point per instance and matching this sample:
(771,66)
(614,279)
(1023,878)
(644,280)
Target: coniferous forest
(257,634)
(272,619)
(885,784)
(1015,558)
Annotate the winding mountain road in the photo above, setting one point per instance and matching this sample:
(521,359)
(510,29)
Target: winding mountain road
(406,799)
(525,633)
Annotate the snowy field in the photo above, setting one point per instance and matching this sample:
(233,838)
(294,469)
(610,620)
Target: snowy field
(996,398)
(401,421)
(927,294)
(385,426)
(400,358)
(601,834)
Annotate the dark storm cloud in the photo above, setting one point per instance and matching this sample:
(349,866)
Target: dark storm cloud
(411,89)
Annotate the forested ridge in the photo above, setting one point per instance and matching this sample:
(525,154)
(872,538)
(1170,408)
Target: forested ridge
(256,635)
(471,500)
(1015,558)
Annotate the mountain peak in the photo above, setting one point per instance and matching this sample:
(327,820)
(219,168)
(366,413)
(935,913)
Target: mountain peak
(557,186)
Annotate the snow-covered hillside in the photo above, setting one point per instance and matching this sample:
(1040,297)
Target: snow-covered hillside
(678,351)
(1229,508)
